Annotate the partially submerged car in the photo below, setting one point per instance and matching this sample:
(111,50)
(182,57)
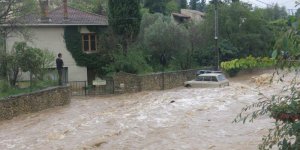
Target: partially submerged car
(207,71)
(208,80)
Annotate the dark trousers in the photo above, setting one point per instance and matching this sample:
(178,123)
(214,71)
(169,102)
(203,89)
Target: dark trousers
(60,71)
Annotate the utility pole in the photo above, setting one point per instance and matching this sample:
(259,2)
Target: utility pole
(216,34)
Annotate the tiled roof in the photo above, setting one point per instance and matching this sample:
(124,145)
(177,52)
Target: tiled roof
(180,15)
(75,17)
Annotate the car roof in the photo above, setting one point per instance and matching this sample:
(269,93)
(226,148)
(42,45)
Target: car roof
(210,74)
(209,70)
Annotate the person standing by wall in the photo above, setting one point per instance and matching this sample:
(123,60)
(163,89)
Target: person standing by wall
(59,67)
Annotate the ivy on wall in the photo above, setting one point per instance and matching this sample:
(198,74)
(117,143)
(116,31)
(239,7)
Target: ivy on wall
(95,61)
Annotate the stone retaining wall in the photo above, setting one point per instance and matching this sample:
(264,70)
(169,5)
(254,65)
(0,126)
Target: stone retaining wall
(33,102)
(167,80)
(130,83)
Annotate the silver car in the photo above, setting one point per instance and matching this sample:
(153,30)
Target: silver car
(208,80)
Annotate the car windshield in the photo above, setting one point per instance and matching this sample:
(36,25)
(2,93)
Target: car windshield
(221,77)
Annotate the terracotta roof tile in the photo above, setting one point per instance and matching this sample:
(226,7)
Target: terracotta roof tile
(75,17)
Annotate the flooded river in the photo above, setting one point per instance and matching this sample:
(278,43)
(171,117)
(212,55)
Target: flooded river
(187,119)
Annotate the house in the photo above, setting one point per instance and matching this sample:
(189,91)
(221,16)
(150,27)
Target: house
(47,32)
(186,15)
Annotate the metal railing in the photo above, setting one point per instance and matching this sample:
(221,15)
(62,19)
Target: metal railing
(81,88)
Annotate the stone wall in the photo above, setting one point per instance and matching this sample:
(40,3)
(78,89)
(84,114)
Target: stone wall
(130,83)
(33,102)
(126,83)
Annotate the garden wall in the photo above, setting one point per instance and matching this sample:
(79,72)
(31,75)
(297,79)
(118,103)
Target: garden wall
(33,102)
(130,83)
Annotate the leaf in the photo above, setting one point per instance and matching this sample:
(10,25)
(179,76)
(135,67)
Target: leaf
(274,54)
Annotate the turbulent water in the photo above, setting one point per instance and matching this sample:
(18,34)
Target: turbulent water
(191,119)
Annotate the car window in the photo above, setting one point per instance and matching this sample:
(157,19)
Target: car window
(199,78)
(200,72)
(214,79)
(216,71)
(221,77)
(207,78)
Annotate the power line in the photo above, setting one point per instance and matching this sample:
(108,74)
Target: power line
(258,4)
(255,4)
(269,5)
(285,1)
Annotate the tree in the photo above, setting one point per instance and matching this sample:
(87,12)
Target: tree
(242,28)
(172,6)
(134,62)
(298,13)
(193,4)
(202,5)
(165,37)
(196,41)
(156,6)
(283,107)
(125,18)
(25,58)
(95,6)
(9,10)
(183,4)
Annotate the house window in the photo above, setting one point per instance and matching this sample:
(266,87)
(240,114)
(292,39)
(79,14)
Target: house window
(89,42)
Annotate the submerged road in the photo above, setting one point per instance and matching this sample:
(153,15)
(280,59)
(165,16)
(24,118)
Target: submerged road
(191,119)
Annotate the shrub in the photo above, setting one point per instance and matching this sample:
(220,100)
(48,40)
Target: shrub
(234,66)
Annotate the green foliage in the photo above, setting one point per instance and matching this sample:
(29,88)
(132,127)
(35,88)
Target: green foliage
(284,107)
(134,62)
(95,6)
(4,86)
(25,58)
(171,7)
(125,18)
(2,65)
(286,111)
(193,4)
(183,4)
(167,38)
(297,15)
(289,42)
(156,6)
(247,63)
(201,6)
(10,9)
(244,29)
(94,61)
(6,90)
(73,42)
(148,20)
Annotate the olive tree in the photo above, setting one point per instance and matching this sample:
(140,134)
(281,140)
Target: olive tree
(166,38)
(24,58)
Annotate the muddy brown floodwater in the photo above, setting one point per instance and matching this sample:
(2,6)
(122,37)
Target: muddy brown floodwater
(176,119)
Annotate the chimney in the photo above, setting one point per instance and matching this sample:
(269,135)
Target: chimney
(44,4)
(66,15)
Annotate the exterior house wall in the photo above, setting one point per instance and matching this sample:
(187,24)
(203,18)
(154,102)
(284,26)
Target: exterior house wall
(51,38)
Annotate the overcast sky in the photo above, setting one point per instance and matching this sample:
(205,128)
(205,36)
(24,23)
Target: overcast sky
(289,4)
